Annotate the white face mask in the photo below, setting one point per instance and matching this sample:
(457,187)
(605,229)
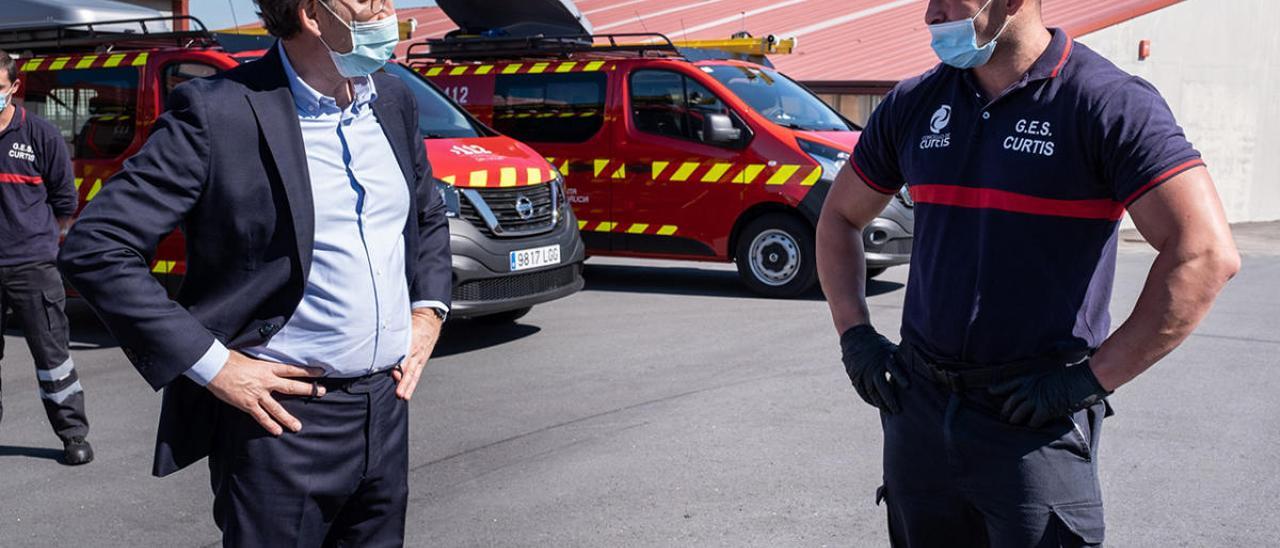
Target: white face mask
(4,99)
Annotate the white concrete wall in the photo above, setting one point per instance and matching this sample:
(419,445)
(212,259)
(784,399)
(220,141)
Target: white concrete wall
(1218,64)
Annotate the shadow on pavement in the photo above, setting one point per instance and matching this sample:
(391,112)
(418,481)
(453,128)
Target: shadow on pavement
(32,452)
(691,281)
(462,336)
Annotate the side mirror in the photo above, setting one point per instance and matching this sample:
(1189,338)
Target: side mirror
(720,131)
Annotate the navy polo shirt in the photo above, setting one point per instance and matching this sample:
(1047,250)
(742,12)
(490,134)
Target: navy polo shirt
(1019,198)
(37,185)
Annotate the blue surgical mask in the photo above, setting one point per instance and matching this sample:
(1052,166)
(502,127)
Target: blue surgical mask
(4,101)
(372,44)
(956,42)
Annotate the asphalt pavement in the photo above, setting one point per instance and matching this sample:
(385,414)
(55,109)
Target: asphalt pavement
(666,406)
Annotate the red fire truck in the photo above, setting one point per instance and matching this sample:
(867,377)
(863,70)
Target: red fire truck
(103,84)
(678,151)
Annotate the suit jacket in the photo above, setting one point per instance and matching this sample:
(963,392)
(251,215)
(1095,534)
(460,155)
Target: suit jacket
(226,163)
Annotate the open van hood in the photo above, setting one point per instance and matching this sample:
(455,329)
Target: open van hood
(517,18)
(44,13)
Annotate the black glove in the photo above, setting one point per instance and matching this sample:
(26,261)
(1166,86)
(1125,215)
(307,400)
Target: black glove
(873,367)
(1035,399)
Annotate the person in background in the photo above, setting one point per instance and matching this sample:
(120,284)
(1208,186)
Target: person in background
(37,201)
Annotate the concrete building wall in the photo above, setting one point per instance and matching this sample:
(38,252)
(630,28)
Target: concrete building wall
(1218,65)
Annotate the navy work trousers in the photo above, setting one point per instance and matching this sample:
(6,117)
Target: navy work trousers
(956,474)
(35,294)
(341,481)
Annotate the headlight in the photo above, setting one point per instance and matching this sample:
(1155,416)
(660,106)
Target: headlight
(559,198)
(449,195)
(830,158)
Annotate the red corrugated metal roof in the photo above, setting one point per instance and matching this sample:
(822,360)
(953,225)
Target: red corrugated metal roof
(839,40)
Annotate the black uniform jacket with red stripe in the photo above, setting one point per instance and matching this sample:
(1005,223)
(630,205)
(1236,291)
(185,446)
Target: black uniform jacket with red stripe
(37,186)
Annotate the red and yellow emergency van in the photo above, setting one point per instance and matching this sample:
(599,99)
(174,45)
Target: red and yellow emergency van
(676,151)
(514,238)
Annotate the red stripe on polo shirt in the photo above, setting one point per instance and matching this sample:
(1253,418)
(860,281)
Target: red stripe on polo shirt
(870,183)
(1066,52)
(1162,178)
(15,178)
(989,198)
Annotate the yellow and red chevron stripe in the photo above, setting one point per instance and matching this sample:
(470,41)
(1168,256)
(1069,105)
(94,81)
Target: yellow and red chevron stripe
(717,171)
(606,168)
(164,267)
(701,171)
(500,177)
(632,228)
(526,67)
(80,62)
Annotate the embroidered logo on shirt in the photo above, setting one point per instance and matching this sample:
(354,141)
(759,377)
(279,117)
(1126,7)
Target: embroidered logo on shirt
(940,119)
(22,151)
(938,122)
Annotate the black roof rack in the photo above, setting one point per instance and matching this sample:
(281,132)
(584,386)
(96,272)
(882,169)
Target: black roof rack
(482,48)
(108,35)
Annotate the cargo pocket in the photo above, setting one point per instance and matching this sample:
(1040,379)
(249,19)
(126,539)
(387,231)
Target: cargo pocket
(55,301)
(1079,525)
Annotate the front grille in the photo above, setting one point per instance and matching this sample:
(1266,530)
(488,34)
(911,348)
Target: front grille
(468,212)
(516,285)
(502,203)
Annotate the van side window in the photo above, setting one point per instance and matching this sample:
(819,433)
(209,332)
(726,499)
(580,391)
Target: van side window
(92,108)
(670,104)
(549,108)
(178,73)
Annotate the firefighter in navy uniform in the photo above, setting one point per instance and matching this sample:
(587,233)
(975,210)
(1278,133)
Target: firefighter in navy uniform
(38,199)
(1023,150)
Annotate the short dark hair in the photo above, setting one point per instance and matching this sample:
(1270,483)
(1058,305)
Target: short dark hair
(9,66)
(280,17)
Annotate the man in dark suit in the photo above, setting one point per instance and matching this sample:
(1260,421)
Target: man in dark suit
(318,277)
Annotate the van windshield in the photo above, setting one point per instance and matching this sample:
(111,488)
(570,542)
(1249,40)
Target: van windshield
(437,117)
(778,98)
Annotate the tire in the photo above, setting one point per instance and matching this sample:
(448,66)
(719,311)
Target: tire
(775,256)
(509,316)
(875,271)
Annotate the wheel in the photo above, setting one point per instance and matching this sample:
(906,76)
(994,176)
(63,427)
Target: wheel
(875,271)
(505,317)
(775,256)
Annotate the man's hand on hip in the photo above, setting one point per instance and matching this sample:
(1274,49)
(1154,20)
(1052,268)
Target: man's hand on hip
(1036,399)
(426,331)
(247,384)
(873,367)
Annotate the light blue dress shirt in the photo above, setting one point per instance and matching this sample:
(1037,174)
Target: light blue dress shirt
(354,317)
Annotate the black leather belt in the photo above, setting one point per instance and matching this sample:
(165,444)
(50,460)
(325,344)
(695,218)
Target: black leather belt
(349,384)
(961,376)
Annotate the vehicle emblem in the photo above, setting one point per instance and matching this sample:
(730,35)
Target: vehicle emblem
(524,207)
